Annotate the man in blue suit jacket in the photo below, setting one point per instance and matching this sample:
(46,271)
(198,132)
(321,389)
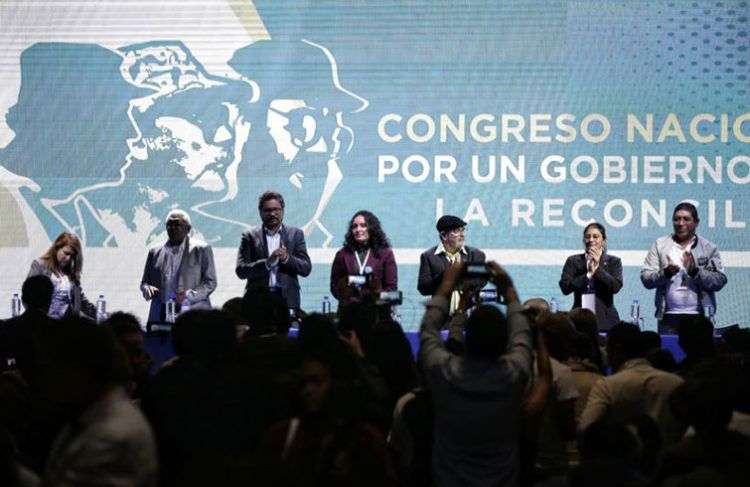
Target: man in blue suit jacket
(273,255)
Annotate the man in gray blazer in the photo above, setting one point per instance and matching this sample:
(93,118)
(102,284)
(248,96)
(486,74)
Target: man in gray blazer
(181,268)
(273,255)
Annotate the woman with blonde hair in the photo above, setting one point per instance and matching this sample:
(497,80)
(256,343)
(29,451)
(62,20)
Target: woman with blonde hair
(63,263)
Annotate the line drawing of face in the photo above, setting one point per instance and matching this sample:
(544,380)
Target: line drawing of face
(183,152)
(308,131)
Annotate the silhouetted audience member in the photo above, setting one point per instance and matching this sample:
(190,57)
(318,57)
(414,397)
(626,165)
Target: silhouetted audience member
(616,453)
(329,442)
(370,330)
(585,371)
(584,321)
(129,334)
(635,388)
(198,417)
(651,340)
(536,309)
(17,334)
(557,426)
(662,359)
(557,422)
(12,473)
(83,372)
(268,359)
(32,422)
(478,395)
(235,309)
(696,339)
(713,455)
(411,437)
(317,331)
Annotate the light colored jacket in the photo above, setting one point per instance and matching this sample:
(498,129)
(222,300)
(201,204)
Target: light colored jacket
(197,273)
(710,277)
(636,388)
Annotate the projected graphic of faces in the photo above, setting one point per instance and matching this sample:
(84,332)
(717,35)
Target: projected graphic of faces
(109,141)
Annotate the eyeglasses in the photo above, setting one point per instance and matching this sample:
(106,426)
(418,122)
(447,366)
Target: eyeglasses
(457,231)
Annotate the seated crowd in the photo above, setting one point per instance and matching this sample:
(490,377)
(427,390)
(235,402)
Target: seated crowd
(519,396)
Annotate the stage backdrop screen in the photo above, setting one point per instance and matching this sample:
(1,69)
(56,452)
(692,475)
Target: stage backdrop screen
(526,118)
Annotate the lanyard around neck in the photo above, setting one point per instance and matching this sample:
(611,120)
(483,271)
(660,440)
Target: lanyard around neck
(361,263)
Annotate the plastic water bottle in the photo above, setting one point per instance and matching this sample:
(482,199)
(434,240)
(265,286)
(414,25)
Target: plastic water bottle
(15,305)
(170,314)
(710,313)
(326,305)
(101,309)
(185,305)
(553,306)
(635,312)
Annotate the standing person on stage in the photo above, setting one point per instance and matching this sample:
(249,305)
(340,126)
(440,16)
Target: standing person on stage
(63,264)
(433,261)
(594,277)
(685,270)
(366,251)
(273,255)
(181,268)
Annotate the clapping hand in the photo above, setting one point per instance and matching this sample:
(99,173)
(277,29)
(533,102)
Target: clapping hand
(671,269)
(279,255)
(688,262)
(595,255)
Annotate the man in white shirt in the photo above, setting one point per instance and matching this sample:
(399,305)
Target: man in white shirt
(685,269)
(273,255)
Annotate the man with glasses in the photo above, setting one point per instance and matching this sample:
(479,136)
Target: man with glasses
(433,261)
(272,255)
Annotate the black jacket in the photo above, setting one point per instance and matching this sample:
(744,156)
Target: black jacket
(607,281)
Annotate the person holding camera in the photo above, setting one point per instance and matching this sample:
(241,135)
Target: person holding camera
(365,264)
(434,261)
(477,395)
(594,277)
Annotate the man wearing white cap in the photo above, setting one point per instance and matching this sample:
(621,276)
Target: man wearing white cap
(181,268)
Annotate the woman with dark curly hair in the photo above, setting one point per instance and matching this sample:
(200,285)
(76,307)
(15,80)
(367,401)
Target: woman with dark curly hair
(366,252)
(63,264)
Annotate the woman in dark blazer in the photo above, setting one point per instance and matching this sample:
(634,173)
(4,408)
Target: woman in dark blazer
(594,272)
(366,250)
(63,263)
